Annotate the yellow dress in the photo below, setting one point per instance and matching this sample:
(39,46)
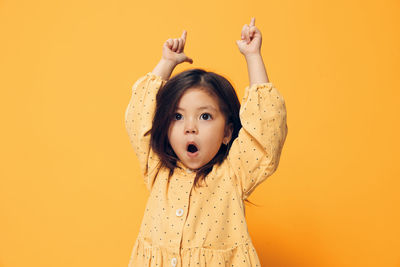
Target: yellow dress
(207,226)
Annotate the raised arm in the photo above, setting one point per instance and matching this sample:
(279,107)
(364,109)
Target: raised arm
(255,153)
(141,107)
(172,56)
(250,47)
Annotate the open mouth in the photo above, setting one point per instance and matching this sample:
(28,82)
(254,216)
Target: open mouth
(192,148)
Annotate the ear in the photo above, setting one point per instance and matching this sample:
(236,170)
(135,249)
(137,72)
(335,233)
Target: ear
(228,134)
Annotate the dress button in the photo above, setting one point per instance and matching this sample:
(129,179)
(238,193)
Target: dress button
(173,262)
(179,212)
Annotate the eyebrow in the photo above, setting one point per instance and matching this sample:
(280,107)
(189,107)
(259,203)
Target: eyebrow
(200,108)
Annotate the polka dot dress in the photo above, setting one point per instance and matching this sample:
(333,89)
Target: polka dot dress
(206,226)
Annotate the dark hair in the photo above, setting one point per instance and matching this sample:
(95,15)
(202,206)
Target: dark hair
(167,100)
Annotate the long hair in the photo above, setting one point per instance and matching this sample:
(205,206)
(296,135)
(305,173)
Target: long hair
(167,100)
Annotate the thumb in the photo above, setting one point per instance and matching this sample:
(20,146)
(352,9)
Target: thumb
(188,59)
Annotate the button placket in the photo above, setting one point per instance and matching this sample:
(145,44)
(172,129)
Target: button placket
(179,212)
(180,196)
(173,261)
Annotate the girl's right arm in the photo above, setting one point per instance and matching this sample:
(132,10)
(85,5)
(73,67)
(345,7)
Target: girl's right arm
(138,119)
(172,56)
(141,107)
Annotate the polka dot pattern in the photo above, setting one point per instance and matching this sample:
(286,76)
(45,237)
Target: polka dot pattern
(255,154)
(204,226)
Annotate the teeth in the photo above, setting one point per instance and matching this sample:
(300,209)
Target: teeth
(192,148)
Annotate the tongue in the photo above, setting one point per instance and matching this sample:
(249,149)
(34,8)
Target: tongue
(192,148)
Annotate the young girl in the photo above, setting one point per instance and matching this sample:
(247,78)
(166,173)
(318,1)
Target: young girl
(201,156)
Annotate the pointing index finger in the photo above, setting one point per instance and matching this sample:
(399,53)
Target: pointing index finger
(184,35)
(253,21)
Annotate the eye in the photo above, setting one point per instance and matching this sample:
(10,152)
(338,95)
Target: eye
(206,116)
(177,116)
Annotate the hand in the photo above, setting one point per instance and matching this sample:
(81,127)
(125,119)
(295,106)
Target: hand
(251,39)
(173,50)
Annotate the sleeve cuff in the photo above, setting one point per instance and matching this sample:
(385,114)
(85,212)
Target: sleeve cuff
(155,77)
(260,86)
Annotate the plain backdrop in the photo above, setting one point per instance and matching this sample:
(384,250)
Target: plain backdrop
(71,193)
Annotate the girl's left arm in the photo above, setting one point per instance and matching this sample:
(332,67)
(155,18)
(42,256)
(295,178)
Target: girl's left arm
(250,47)
(256,152)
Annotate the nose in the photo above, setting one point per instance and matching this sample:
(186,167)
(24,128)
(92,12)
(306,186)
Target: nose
(190,127)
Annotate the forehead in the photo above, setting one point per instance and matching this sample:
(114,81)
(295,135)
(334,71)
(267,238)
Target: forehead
(198,96)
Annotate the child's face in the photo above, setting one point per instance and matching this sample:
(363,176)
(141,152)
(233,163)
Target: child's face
(198,120)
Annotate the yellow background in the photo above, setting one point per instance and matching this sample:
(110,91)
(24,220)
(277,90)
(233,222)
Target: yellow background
(70,190)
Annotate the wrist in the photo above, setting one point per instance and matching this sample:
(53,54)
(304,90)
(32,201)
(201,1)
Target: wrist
(168,63)
(164,68)
(253,56)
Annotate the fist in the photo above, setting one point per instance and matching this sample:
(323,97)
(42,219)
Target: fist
(173,50)
(250,42)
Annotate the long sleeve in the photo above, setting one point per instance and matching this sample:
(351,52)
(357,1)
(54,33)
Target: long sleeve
(256,152)
(138,120)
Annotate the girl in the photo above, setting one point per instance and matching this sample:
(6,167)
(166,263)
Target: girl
(201,156)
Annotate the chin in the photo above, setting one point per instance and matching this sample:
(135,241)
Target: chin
(194,166)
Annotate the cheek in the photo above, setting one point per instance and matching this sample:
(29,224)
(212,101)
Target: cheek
(173,137)
(215,133)
(169,132)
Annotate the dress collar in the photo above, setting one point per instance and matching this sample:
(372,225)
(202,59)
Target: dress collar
(181,167)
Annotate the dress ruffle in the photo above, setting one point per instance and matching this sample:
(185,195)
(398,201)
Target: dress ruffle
(242,255)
